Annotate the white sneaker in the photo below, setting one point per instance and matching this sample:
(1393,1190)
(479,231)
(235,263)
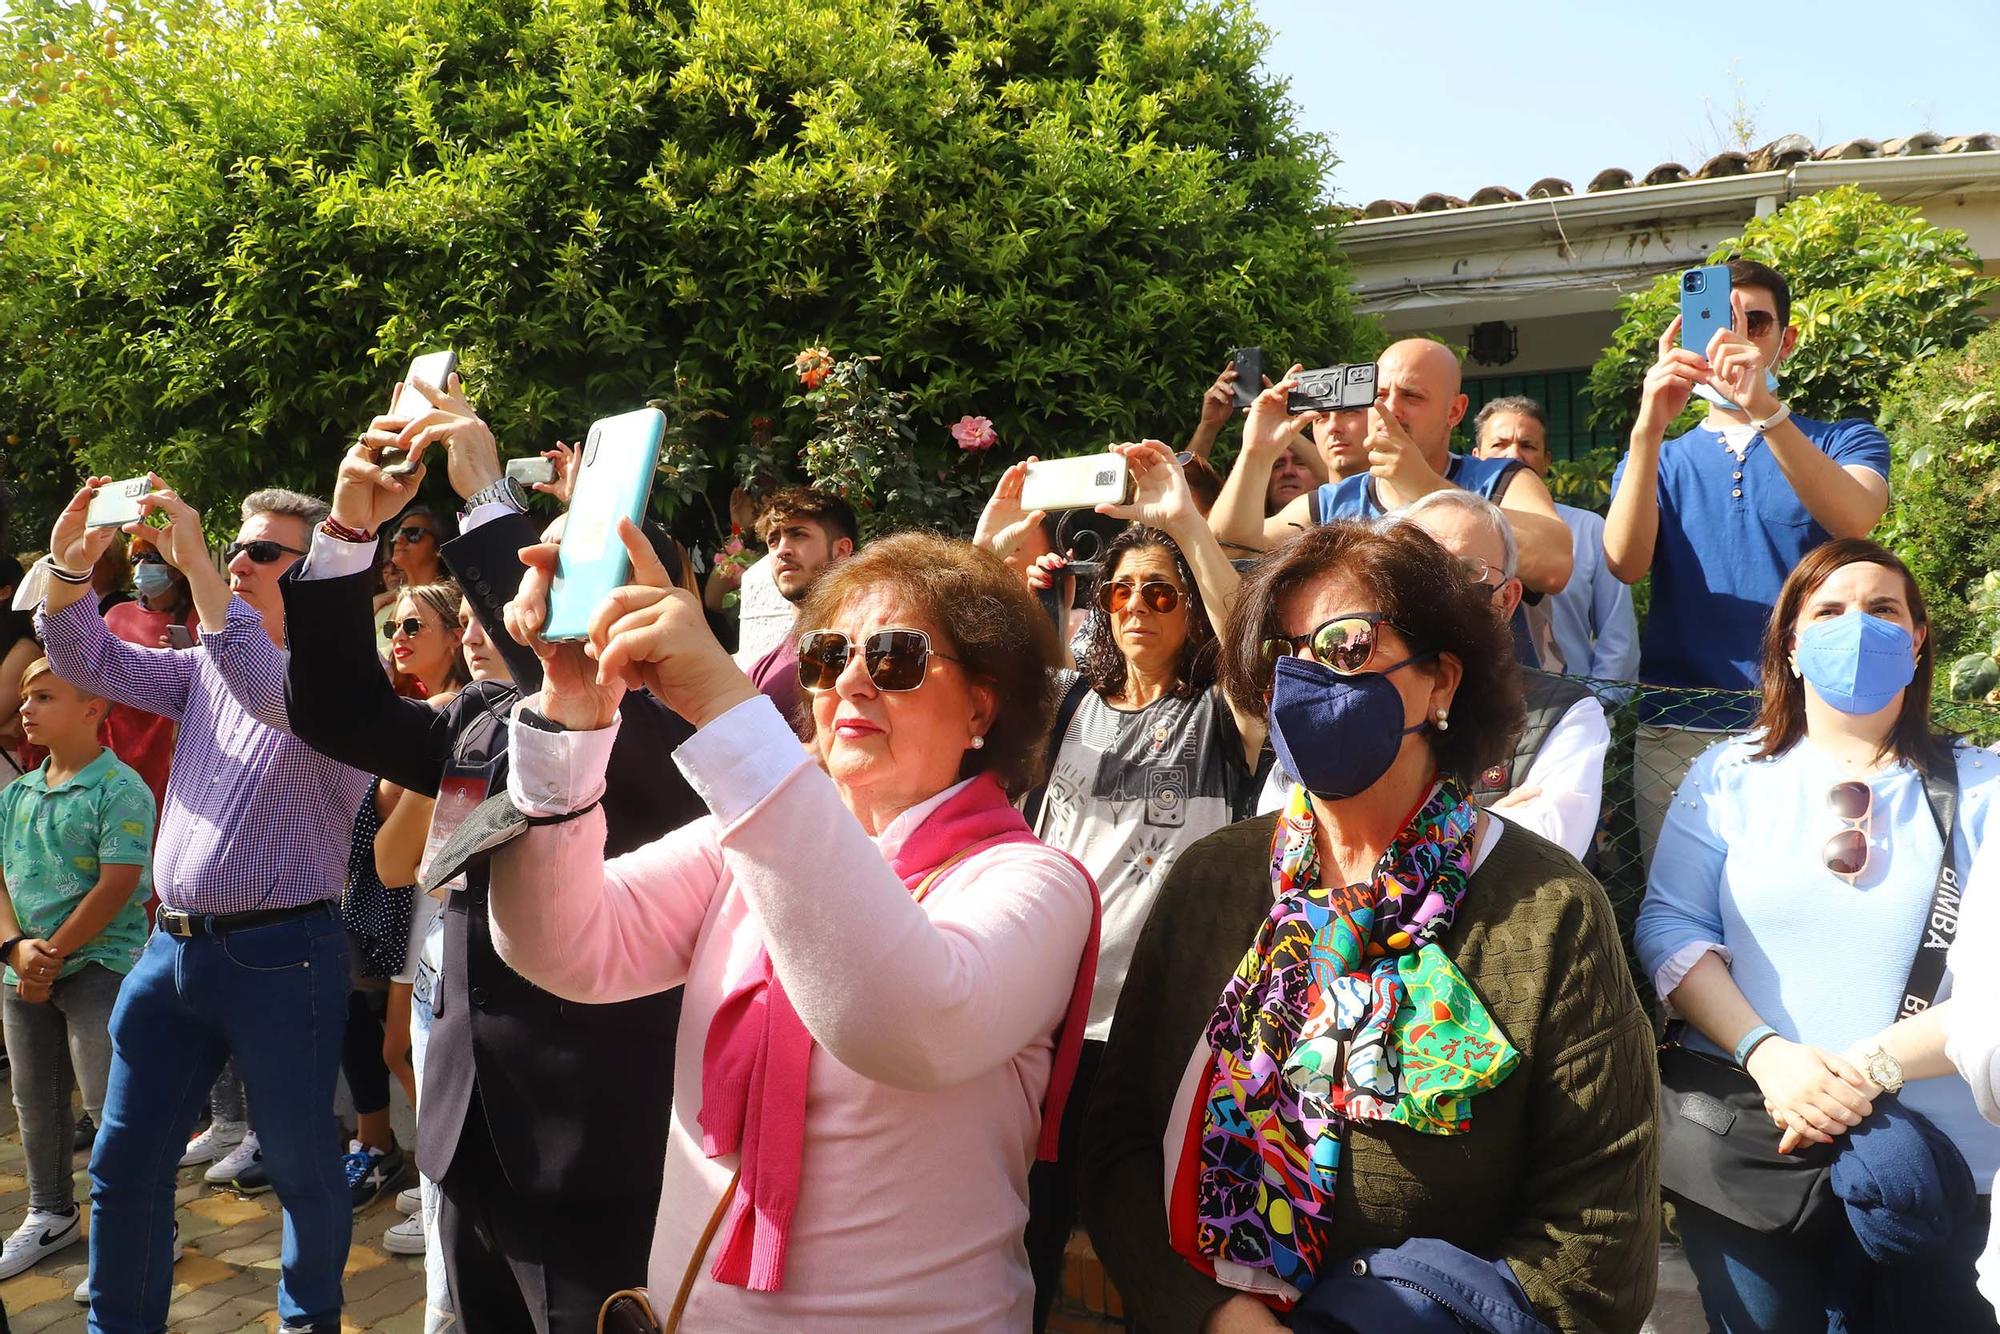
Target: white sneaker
(226,1168)
(214,1142)
(410,1202)
(43,1233)
(406,1237)
(82,1294)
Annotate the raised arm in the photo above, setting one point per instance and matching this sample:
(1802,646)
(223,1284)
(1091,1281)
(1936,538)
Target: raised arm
(1238,514)
(1547,554)
(1632,525)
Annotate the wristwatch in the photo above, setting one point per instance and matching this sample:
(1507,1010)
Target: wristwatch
(1884,1070)
(506,491)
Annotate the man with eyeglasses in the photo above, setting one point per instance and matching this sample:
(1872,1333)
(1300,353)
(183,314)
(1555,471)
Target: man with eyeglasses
(248,959)
(1553,783)
(1721,514)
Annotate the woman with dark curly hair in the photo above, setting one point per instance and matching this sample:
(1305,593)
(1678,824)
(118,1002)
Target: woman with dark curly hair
(1379,1052)
(1150,755)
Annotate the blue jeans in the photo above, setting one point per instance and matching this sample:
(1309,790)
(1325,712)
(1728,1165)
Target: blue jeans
(274,998)
(1756,1284)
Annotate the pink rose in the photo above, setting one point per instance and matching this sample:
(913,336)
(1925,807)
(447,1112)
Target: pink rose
(974,434)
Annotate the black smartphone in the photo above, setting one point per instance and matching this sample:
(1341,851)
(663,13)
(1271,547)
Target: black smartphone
(1249,363)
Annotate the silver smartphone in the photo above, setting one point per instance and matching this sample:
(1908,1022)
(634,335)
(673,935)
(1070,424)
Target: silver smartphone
(116,503)
(1077,484)
(532,470)
(434,369)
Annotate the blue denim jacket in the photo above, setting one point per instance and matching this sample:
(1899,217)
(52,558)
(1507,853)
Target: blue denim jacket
(1421,1286)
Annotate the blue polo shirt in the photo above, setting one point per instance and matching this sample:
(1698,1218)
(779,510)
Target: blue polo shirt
(1354,497)
(1731,530)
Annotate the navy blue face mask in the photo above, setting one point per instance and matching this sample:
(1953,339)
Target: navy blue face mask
(1336,735)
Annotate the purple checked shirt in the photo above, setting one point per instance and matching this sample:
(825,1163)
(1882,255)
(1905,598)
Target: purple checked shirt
(253,817)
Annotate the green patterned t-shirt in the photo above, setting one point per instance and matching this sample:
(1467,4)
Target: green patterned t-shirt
(52,842)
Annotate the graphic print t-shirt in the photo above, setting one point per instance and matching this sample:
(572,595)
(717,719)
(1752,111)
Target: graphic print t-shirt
(1128,791)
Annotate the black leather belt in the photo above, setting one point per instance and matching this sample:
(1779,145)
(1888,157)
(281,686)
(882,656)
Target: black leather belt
(190,924)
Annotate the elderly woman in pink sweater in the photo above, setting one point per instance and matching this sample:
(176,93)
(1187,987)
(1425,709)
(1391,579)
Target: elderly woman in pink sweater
(884,969)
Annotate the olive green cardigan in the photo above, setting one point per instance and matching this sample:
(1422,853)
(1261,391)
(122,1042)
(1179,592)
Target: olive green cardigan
(1559,1174)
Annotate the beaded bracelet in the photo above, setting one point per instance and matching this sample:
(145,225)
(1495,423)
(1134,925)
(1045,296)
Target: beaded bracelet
(340,532)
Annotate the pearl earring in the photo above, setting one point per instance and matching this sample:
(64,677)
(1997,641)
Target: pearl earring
(979,743)
(1443,724)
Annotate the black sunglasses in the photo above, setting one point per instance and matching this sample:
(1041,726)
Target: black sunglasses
(412,533)
(263,551)
(1157,594)
(896,659)
(1345,643)
(411,626)
(1757,323)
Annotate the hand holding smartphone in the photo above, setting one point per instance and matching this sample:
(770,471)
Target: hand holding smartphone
(612,483)
(117,503)
(434,369)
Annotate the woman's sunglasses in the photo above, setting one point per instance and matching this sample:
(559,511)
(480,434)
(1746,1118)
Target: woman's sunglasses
(412,534)
(1846,854)
(1345,643)
(1157,595)
(263,551)
(411,626)
(896,659)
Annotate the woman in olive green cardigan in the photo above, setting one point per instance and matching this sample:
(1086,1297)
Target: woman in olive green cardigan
(1255,1123)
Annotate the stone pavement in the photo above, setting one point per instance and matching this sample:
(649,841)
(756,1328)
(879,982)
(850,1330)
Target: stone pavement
(227,1281)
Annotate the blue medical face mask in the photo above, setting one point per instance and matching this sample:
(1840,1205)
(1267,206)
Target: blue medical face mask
(1856,662)
(151,578)
(1336,735)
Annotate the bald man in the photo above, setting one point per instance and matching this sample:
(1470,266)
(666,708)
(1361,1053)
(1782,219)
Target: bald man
(1418,400)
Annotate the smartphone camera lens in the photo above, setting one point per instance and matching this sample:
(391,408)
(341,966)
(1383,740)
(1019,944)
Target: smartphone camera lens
(1692,281)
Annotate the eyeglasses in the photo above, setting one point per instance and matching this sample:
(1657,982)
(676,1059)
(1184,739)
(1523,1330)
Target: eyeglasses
(412,533)
(1846,854)
(148,556)
(1757,323)
(263,551)
(1479,572)
(1157,595)
(1345,643)
(896,659)
(411,626)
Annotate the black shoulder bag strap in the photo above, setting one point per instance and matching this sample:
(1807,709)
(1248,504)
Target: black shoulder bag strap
(1066,707)
(1941,919)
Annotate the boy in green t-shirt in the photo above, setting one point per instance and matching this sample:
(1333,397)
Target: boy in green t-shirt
(76,841)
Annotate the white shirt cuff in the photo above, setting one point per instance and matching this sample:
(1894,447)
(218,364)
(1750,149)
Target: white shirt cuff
(738,759)
(554,773)
(1682,961)
(334,558)
(486,513)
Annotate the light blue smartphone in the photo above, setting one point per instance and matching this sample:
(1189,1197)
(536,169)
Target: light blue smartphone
(612,483)
(1705,306)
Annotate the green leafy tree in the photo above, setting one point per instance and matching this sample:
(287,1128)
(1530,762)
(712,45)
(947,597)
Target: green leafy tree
(1875,289)
(224,226)
(1944,422)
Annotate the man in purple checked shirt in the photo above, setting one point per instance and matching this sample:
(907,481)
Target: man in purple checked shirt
(248,959)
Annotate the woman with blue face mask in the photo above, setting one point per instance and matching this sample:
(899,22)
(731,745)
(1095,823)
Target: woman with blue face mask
(1789,901)
(1378,1047)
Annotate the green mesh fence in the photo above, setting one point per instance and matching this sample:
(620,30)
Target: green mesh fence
(1656,734)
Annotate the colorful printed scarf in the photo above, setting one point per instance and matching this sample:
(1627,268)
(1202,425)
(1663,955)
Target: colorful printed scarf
(1343,1007)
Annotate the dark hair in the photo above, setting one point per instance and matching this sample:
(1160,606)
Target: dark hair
(1518,403)
(1783,715)
(834,515)
(443,528)
(998,632)
(1398,566)
(1749,273)
(1204,481)
(1103,666)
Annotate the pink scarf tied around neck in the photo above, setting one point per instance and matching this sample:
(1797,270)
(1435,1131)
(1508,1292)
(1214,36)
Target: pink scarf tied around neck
(753,1064)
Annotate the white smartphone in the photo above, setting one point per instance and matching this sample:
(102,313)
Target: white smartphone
(434,369)
(1077,484)
(531,469)
(116,503)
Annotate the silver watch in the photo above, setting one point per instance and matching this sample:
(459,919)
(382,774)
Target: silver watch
(506,491)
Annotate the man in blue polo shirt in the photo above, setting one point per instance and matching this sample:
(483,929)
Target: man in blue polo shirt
(1722,514)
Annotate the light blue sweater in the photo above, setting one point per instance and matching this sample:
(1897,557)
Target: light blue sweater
(1823,962)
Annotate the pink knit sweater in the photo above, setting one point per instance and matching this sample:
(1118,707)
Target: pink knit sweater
(934,1022)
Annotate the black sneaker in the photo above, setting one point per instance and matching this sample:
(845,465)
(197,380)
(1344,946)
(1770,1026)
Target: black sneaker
(251,1178)
(371,1173)
(86,1133)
